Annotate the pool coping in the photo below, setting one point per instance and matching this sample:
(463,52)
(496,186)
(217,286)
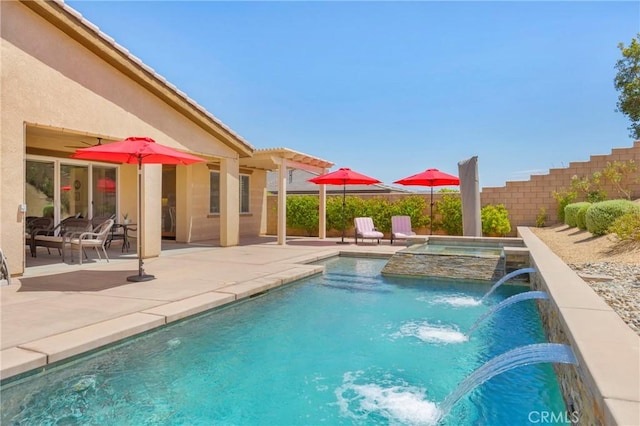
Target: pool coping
(607,349)
(33,356)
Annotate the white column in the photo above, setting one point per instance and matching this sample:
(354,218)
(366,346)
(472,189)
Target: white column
(282,203)
(229,202)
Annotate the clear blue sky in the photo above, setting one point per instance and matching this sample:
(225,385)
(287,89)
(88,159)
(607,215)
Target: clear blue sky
(393,88)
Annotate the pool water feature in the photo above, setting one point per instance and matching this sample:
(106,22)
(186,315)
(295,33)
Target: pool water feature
(342,348)
(527,295)
(469,262)
(507,278)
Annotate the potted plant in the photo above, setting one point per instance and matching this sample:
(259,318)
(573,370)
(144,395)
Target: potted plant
(125,217)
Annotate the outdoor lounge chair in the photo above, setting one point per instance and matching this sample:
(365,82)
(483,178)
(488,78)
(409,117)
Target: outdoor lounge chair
(54,238)
(96,239)
(365,229)
(401,228)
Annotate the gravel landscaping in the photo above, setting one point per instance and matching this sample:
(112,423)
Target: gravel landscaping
(609,266)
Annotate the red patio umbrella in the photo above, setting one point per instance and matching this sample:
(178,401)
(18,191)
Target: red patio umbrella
(431,178)
(344,176)
(137,150)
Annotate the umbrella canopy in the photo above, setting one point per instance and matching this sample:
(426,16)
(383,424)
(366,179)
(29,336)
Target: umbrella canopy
(344,176)
(137,150)
(431,178)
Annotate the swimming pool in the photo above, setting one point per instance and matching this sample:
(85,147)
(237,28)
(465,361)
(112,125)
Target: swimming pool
(348,347)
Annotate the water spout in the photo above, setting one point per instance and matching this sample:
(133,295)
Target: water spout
(524,355)
(507,278)
(506,302)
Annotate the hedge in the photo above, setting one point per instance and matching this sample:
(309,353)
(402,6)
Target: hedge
(600,216)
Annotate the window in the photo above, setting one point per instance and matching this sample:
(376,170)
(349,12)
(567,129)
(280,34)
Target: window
(244,193)
(214,192)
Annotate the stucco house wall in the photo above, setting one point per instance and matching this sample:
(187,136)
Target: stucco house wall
(65,83)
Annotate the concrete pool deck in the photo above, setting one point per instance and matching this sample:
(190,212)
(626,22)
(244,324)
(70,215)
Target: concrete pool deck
(58,310)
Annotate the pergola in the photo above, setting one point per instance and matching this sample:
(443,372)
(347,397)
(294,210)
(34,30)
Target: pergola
(282,159)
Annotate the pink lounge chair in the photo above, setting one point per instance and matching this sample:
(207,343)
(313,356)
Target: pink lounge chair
(401,228)
(365,229)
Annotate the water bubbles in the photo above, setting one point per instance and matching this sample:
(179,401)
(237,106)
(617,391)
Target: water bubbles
(83,384)
(175,342)
(395,402)
(431,333)
(457,301)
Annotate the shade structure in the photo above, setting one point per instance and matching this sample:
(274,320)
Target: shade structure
(137,150)
(431,178)
(344,176)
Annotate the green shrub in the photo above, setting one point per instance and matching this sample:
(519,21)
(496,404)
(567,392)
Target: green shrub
(541,219)
(596,196)
(379,209)
(334,212)
(302,213)
(581,217)
(627,226)
(47,211)
(571,213)
(600,216)
(564,198)
(450,209)
(621,174)
(495,220)
(413,206)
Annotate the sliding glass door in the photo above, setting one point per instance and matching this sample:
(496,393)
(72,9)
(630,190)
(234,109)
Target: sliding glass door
(58,189)
(104,191)
(74,191)
(39,191)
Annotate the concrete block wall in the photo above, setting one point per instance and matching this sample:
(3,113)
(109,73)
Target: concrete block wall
(522,199)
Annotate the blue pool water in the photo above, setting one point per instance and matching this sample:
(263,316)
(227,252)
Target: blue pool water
(348,347)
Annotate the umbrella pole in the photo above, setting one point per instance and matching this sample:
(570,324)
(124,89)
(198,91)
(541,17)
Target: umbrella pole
(431,214)
(344,195)
(141,275)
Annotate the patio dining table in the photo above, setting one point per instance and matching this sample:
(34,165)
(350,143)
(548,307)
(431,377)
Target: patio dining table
(120,231)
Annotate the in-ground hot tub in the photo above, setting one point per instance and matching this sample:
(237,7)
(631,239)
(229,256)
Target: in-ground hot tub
(464,258)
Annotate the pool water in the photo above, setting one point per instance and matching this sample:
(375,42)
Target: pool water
(347,347)
(452,250)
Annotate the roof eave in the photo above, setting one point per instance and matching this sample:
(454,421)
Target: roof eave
(88,35)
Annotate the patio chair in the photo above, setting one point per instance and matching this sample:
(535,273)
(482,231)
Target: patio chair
(34,225)
(99,219)
(54,238)
(365,229)
(95,239)
(401,228)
